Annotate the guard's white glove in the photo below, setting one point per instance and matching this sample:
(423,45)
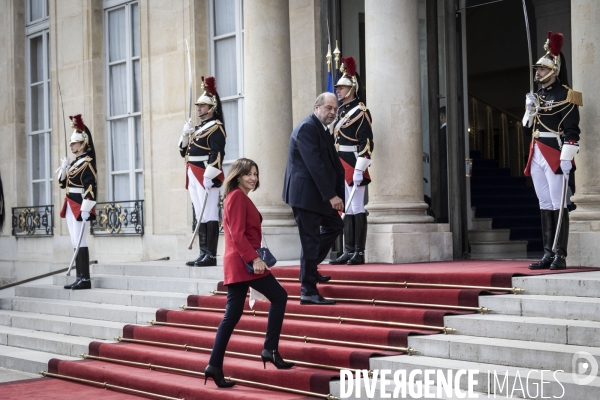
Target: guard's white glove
(357,178)
(187,128)
(85,215)
(530,101)
(65,163)
(208,183)
(566,166)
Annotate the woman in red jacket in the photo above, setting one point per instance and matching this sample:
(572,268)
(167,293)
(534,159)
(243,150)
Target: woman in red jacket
(241,221)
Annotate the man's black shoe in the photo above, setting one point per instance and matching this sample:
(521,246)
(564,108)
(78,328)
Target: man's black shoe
(544,263)
(316,299)
(322,278)
(558,263)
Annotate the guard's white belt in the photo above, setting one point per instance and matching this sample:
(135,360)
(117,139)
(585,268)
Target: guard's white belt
(539,134)
(198,158)
(74,190)
(350,149)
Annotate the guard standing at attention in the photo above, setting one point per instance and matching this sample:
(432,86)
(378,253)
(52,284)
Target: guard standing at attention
(354,143)
(203,147)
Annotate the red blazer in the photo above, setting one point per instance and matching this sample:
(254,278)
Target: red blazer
(241,225)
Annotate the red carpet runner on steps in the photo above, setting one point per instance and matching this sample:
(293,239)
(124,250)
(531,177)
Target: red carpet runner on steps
(170,341)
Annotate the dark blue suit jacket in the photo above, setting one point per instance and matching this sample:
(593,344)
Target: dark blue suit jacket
(314,173)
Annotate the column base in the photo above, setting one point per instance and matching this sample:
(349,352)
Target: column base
(406,243)
(583,249)
(283,241)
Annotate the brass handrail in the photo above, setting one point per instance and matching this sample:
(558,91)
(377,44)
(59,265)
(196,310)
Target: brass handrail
(187,371)
(340,319)
(232,353)
(405,284)
(108,385)
(375,302)
(305,339)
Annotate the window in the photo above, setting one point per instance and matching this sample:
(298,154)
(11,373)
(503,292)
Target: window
(39,124)
(123,102)
(227,49)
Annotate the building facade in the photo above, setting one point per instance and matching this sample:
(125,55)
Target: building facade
(123,65)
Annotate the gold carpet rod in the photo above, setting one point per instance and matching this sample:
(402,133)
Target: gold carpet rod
(340,319)
(405,284)
(374,302)
(305,339)
(105,385)
(235,353)
(190,372)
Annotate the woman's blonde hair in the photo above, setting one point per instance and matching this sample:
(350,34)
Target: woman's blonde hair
(241,166)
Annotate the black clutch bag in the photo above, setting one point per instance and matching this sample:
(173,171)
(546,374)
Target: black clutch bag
(265,254)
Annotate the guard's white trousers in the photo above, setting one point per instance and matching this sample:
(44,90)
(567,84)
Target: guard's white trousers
(75,228)
(357,205)
(548,185)
(211,213)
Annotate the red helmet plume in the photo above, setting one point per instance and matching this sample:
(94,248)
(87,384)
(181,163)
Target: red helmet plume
(77,123)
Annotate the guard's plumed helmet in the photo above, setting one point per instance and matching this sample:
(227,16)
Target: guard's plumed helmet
(551,59)
(209,95)
(79,135)
(348,70)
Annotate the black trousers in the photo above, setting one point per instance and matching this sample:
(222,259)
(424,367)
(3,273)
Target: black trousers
(317,234)
(236,296)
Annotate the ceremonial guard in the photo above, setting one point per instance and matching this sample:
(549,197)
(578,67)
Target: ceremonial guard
(354,142)
(552,118)
(203,147)
(80,180)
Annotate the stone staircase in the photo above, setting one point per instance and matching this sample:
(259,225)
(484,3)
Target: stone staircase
(554,325)
(543,329)
(44,321)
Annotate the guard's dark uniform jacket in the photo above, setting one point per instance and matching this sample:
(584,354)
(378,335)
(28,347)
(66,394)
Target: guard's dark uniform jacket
(81,176)
(558,114)
(210,143)
(356,131)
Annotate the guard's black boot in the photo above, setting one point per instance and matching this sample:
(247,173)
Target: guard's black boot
(360,239)
(212,242)
(560,259)
(83,259)
(78,274)
(201,243)
(548,229)
(348,241)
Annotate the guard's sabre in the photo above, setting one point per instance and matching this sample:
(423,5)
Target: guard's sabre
(199,220)
(349,200)
(77,248)
(187,48)
(563,199)
(529,47)
(63,113)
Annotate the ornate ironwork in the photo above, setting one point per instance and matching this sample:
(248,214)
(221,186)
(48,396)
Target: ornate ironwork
(124,218)
(35,221)
(220,214)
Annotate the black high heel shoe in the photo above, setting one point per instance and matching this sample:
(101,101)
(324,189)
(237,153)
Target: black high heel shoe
(274,357)
(217,375)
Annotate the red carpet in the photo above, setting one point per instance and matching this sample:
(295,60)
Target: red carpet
(383,328)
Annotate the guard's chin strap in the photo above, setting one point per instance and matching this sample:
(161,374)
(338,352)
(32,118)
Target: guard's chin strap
(546,77)
(349,92)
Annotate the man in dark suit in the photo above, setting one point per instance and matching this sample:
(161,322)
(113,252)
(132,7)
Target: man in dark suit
(314,188)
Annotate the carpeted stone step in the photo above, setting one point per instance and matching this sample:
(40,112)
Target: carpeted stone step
(489,235)
(565,307)
(527,378)
(582,284)
(91,328)
(540,329)
(482,223)
(44,341)
(106,296)
(146,283)
(26,360)
(79,309)
(516,353)
(499,250)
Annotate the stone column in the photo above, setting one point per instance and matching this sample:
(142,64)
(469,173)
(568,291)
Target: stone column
(268,115)
(399,229)
(585,220)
